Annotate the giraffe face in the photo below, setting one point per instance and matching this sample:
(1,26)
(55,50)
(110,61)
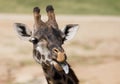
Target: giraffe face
(48,42)
(47,39)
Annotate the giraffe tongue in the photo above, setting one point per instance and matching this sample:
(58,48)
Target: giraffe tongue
(65,68)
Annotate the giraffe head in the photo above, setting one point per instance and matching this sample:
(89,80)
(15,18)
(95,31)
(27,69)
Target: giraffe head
(47,39)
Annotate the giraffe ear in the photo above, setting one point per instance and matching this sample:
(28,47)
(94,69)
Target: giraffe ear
(22,31)
(70,31)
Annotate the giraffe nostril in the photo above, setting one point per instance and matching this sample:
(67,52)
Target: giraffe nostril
(55,50)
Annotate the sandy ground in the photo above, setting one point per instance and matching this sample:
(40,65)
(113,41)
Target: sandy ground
(94,53)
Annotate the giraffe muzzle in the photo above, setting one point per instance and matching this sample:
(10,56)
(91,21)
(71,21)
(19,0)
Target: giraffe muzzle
(61,57)
(61,63)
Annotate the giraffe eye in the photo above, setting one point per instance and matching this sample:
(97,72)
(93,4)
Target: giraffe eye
(34,40)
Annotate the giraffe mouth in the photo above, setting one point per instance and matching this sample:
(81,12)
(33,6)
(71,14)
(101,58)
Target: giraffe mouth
(61,66)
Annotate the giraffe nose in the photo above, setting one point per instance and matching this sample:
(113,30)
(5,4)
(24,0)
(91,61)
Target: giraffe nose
(61,57)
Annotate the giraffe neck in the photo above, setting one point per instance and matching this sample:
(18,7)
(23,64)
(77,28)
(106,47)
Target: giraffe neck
(59,77)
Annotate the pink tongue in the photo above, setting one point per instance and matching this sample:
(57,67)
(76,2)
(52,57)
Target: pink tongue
(65,68)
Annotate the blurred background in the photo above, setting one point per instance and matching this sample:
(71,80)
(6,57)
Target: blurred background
(94,53)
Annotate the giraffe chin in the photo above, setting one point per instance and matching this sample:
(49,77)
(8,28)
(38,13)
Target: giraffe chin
(61,66)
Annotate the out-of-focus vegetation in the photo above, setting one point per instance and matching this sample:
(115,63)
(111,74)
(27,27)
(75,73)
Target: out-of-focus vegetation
(99,7)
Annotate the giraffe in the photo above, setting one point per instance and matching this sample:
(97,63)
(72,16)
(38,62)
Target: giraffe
(47,40)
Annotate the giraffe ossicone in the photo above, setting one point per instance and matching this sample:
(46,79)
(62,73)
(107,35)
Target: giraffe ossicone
(47,40)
